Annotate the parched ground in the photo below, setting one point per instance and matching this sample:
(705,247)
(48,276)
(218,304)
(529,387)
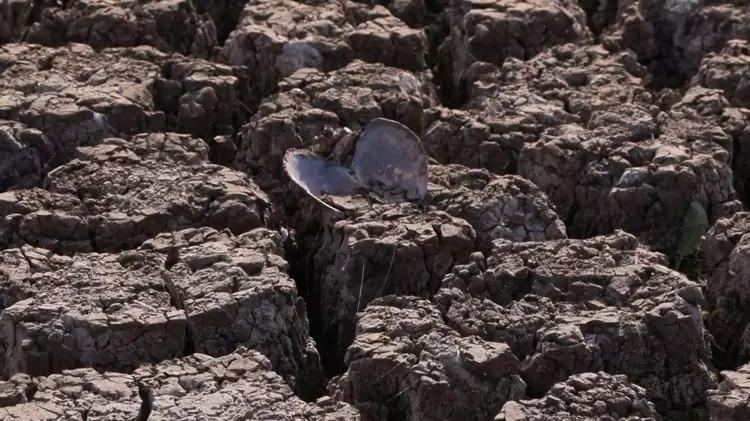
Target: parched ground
(157,263)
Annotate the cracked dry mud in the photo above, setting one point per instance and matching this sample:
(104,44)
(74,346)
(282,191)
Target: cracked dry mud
(241,385)
(157,263)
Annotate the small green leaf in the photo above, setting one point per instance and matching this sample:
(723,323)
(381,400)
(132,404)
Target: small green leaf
(693,228)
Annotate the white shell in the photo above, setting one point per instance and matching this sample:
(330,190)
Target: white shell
(317,176)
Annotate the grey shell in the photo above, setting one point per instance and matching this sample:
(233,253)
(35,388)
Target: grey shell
(388,158)
(390,155)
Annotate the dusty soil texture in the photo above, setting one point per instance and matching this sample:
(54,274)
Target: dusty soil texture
(588,396)
(157,262)
(406,363)
(726,256)
(731,401)
(198,387)
(571,306)
(275,38)
(117,194)
(197,290)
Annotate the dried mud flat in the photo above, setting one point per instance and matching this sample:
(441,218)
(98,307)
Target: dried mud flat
(157,263)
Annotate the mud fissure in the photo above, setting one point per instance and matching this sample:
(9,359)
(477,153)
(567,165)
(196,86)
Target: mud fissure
(147,402)
(302,269)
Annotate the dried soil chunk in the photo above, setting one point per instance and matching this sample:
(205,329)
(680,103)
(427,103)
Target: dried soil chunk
(585,397)
(704,119)
(275,38)
(75,96)
(721,84)
(492,134)
(116,195)
(584,78)
(555,340)
(201,97)
(386,249)
(237,386)
(81,394)
(322,112)
(616,175)
(515,324)
(506,207)
(731,400)
(93,310)
(453,136)
(493,31)
(198,96)
(726,259)
(169,25)
(406,363)
(571,306)
(236,292)
(413,12)
(360,92)
(728,71)
(512,105)
(673,37)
